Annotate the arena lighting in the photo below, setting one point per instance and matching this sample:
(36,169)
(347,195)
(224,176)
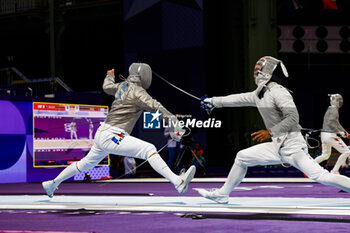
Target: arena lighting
(279,32)
(321,32)
(279,45)
(298,46)
(313,39)
(344,32)
(344,46)
(322,46)
(298,32)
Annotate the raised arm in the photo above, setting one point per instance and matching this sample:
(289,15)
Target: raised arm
(109,85)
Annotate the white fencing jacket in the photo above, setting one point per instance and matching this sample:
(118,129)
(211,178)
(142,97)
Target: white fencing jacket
(277,108)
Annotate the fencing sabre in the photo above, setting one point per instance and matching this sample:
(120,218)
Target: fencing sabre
(178,88)
(205,106)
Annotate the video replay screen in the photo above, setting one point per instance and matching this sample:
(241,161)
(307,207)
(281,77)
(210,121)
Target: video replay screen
(64,133)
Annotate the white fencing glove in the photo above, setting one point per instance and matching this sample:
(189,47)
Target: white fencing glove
(177,134)
(344,134)
(177,131)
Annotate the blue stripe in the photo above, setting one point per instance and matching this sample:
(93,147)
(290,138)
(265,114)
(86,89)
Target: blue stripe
(115,140)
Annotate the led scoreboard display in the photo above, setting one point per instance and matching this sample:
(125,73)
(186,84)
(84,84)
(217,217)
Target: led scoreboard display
(64,133)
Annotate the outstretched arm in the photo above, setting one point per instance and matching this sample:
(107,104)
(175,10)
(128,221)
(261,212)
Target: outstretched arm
(236,100)
(146,102)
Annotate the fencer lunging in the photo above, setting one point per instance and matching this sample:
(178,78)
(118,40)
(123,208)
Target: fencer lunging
(113,136)
(331,127)
(280,116)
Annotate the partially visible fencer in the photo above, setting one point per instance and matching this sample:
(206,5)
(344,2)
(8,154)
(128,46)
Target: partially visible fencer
(91,128)
(113,135)
(276,106)
(331,127)
(73,130)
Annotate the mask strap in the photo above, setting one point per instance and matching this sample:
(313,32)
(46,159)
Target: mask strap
(284,69)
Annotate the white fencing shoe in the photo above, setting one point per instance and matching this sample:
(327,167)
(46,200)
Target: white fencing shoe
(214,195)
(185,179)
(49,187)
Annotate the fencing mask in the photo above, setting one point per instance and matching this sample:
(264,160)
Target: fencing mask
(264,68)
(336,100)
(141,72)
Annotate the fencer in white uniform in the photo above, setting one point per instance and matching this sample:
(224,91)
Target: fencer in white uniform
(331,127)
(276,106)
(113,136)
(91,128)
(73,130)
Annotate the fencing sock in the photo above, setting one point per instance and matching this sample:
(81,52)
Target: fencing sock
(158,164)
(234,178)
(67,173)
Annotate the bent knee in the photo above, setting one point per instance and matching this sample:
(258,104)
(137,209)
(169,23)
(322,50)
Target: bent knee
(344,155)
(241,158)
(150,150)
(324,156)
(86,164)
(347,154)
(241,155)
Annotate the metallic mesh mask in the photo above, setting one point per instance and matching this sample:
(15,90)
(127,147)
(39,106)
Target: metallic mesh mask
(336,100)
(264,68)
(141,72)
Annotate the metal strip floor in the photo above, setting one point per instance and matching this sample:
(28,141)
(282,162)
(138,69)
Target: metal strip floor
(270,205)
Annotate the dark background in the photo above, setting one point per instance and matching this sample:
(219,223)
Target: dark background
(199,45)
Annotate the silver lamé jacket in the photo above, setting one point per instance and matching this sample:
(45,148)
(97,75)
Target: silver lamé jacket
(277,108)
(131,99)
(331,121)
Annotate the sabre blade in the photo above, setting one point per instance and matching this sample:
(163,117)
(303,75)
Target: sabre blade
(189,94)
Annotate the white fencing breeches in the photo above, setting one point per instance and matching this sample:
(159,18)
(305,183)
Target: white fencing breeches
(293,151)
(112,140)
(330,140)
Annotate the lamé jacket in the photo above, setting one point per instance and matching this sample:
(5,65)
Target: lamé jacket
(331,121)
(131,99)
(277,108)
